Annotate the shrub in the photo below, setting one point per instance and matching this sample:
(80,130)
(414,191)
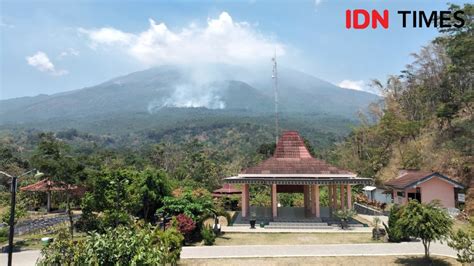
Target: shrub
(463,243)
(169,245)
(376,231)
(345,216)
(185,226)
(394,231)
(208,236)
(89,221)
(134,245)
(3,234)
(61,251)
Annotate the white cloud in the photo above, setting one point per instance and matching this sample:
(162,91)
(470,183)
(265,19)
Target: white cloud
(69,52)
(108,36)
(222,40)
(41,61)
(317,2)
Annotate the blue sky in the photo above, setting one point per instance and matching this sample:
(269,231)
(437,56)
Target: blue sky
(54,46)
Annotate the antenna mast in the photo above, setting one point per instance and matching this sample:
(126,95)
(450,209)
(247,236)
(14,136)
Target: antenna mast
(275,90)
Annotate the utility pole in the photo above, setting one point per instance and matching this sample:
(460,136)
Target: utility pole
(12,219)
(275,90)
(14,180)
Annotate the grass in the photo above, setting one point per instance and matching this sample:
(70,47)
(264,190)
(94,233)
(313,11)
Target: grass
(33,241)
(232,239)
(356,260)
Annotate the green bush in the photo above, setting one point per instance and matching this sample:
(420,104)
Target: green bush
(88,222)
(208,236)
(194,206)
(3,234)
(62,251)
(169,245)
(134,245)
(394,231)
(463,242)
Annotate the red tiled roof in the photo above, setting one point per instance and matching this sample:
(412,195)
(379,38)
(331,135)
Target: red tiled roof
(408,177)
(49,185)
(291,145)
(292,157)
(227,189)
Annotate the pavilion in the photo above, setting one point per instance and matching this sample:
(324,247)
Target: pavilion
(48,186)
(292,169)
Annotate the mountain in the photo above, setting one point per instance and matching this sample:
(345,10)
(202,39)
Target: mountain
(224,89)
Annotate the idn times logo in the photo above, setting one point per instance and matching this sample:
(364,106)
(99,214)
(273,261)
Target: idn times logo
(363,19)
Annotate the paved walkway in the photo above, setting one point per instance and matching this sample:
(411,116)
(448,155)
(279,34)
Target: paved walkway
(412,248)
(23,258)
(26,258)
(258,229)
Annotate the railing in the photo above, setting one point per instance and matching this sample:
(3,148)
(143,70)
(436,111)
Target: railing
(363,209)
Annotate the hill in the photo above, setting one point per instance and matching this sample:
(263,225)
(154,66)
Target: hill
(216,88)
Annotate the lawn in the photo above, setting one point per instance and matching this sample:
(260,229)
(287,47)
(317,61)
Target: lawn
(356,260)
(232,239)
(33,241)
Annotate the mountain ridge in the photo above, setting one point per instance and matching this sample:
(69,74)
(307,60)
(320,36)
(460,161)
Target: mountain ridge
(214,87)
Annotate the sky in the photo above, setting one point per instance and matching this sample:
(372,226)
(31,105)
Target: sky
(55,46)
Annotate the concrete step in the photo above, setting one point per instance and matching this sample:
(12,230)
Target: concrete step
(298,224)
(350,225)
(298,227)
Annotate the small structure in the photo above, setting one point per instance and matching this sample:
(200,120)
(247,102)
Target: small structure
(229,195)
(377,194)
(292,169)
(424,186)
(48,186)
(227,190)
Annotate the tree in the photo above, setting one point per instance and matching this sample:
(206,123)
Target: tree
(425,221)
(195,206)
(51,157)
(266,149)
(112,197)
(463,242)
(394,231)
(149,188)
